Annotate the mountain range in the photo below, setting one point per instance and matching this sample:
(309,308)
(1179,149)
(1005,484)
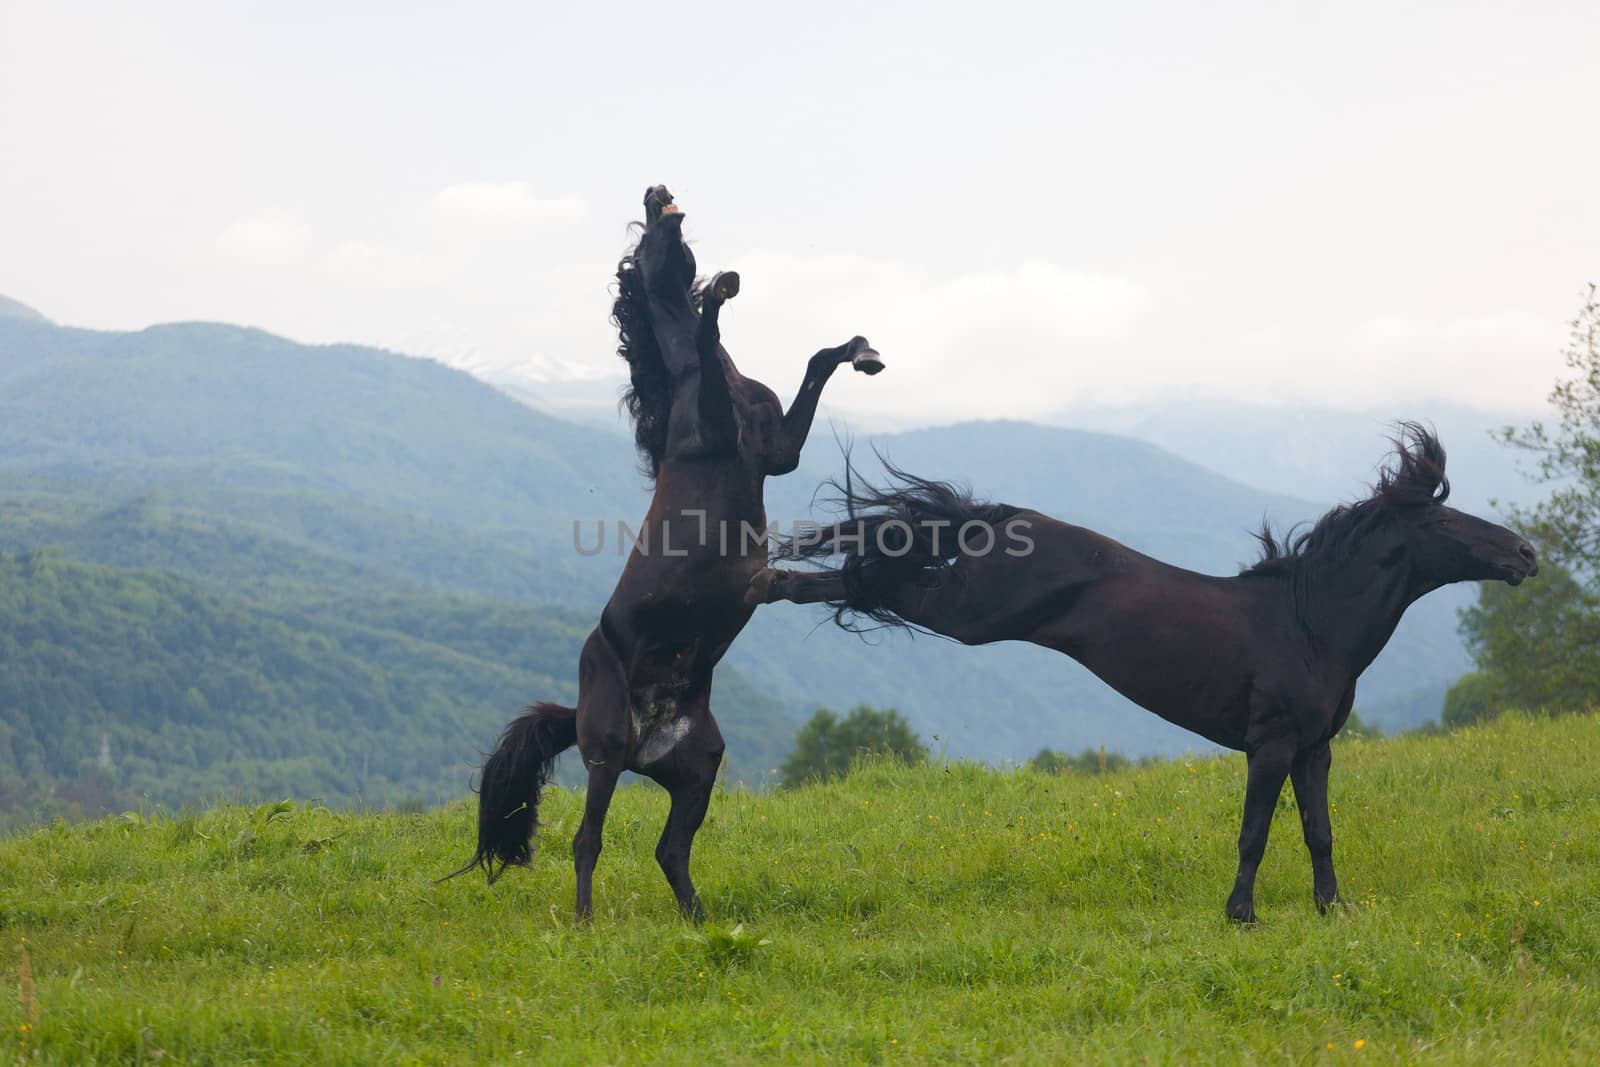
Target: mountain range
(375,505)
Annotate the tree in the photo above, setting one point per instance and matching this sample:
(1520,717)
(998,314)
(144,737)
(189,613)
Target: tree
(1538,645)
(1355,728)
(1567,525)
(1089,761)
(1475,696)
(826,746)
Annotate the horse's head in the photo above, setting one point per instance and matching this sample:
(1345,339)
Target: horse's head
(662,258)
(1445,545)
(1441,544)
(658,270)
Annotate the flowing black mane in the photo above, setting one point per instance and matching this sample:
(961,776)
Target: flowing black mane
(1415,477)
(890,533)
(648,396)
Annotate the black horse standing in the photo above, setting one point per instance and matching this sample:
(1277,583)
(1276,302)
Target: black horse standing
(711,437)
(1265,662)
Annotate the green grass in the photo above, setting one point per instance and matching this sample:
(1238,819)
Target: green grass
(902,915)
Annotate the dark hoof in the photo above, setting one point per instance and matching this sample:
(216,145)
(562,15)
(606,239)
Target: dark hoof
(657,201)
(1325,906)
(867,361)
(1242,912)
(725,284)
(693,912)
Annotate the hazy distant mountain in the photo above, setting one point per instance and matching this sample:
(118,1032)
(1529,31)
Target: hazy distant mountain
(1306,452)
(1322,454)
(267,471)
(15,309)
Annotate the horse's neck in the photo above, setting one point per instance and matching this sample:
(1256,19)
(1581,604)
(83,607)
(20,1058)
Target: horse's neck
(1352,614)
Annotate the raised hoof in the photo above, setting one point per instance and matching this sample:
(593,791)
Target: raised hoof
(867,361)
(725,285)
(759,591)
(658,202)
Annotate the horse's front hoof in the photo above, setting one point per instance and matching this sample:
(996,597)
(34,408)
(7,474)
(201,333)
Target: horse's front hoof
(867,361)
(725,285)
(1325,905)
(1242,912)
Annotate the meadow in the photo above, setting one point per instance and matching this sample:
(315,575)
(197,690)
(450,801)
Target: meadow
(948,912)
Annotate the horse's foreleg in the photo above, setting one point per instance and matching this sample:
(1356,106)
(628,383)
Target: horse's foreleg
(797,420)
(1309,774)
(715,401)
(690,782)
(1268,767)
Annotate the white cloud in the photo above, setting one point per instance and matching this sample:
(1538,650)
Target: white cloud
(385,266)
(499,210)
(271,239)
(1495,360)
(1004,342)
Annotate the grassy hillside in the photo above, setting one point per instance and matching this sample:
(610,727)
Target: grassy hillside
(943,913)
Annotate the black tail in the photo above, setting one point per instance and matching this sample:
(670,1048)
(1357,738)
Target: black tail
(892,535)
(513,777)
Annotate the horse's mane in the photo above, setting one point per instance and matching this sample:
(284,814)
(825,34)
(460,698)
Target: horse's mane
(1414,477)
(883,533)
(648,397)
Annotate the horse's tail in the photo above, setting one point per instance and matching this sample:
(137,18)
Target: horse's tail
(513,777)
(907,531)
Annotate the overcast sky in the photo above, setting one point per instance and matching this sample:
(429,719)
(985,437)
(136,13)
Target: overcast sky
(1027,208)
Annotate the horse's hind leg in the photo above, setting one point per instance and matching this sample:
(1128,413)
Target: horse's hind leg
(1309,774)
(772,584)
(942,606)
(689,773)
(603,743)
(586,845)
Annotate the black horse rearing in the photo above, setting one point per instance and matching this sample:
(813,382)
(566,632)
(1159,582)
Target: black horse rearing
(1265,662)
(710,437)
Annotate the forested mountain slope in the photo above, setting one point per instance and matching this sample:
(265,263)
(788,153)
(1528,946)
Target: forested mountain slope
(341,491)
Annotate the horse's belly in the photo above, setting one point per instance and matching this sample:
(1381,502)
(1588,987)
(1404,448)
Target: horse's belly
(1196,691)
(656,739)
(662,716)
